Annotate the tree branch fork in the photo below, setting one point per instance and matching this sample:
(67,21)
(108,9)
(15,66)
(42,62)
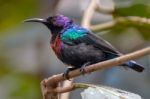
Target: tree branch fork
(50,85)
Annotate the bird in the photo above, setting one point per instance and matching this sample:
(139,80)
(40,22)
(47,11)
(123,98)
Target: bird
(77,46)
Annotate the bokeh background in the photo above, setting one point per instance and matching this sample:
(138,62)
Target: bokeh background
(26,57)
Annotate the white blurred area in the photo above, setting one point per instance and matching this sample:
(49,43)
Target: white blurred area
(103,92)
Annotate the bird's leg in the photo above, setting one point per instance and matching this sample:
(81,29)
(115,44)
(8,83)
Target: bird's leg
(65,75)
(83,66)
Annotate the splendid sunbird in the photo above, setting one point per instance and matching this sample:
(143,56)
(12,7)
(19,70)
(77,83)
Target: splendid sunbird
(77,46)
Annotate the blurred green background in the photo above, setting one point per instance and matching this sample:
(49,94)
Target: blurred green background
(26,57)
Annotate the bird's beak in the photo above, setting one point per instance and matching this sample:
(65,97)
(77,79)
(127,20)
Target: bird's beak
(44,21)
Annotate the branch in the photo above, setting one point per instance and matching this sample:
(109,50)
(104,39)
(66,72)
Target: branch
(133,20)
(87,16)
(66,83)
(94,5)
(50,83)
(72,87)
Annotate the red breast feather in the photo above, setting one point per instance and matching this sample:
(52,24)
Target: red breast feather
(56,45)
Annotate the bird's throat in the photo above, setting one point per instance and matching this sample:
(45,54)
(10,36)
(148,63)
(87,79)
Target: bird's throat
(56,45)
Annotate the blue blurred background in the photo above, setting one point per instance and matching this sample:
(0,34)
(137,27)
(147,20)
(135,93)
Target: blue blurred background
(26,57)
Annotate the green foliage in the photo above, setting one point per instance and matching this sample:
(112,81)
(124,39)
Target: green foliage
(134,11)
(138,8)
(22,86)
(14,11)
(27,87)
(4,67)
(19,85)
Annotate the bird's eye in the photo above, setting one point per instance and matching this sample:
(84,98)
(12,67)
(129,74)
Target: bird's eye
(71,21)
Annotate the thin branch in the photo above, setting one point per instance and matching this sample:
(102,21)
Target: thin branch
(51,82)
(133,20)
(71,87)
(66,83)
(94,5)
(87,16)
(104,26)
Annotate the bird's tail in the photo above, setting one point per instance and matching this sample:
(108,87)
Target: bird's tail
(135,66)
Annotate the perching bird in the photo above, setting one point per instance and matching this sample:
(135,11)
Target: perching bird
(77,46)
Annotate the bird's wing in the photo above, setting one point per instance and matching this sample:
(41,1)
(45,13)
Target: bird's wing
(79,35)
(100,43)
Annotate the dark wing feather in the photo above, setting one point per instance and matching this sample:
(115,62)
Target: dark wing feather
(97,42)
(101,44)
(90,39)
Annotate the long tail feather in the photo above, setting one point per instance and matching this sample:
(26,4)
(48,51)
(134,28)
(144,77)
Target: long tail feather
(135,66)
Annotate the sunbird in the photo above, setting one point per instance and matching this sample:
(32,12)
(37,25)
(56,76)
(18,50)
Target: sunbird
(77,46)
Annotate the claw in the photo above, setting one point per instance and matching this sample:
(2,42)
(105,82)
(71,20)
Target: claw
(66,73)
(82,70)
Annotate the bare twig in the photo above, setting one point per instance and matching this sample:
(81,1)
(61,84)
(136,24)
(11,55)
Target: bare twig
(71,87)
(66,83)
(104,26)
(94,5)
(133,20)
(87,16)
(51,82)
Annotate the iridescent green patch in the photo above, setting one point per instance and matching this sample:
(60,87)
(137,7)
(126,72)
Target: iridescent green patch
(73,34)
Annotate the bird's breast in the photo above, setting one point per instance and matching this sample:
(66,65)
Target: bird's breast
(56,45)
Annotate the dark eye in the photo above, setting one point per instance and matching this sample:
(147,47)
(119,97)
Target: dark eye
(71,21)
(49,18)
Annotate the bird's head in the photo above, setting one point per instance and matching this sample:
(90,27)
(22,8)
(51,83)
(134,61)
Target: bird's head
(54,23)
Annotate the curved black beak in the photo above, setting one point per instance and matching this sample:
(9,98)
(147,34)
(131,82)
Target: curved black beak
(39,20)
(44,21)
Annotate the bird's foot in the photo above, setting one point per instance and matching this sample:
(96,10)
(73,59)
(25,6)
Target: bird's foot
(66,73)
(82,70)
